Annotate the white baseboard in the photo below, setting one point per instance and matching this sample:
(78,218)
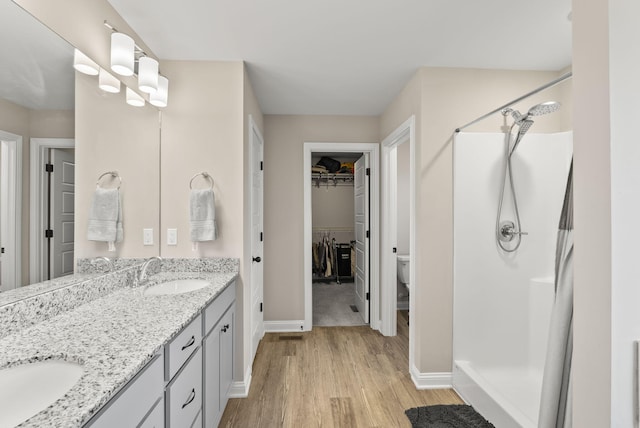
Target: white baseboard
(240,389)
(284,326)
(437,380)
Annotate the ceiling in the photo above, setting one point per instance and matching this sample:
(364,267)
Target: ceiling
(352,57)
(36,64)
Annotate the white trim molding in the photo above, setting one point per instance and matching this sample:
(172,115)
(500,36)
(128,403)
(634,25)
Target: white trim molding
(433,380)
(373,149)
(293,326)
(37,178)
(240,389)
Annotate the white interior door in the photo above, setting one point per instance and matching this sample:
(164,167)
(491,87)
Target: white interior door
(62,212)
(10,210)
(361,214)
(257,318)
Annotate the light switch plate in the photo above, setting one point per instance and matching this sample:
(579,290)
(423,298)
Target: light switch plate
(172,236)
(147,236)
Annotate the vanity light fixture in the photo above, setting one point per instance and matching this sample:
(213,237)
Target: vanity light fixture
(84,64)
(134,99)
(108,82)
(122,54)
(160,97)
(147,74)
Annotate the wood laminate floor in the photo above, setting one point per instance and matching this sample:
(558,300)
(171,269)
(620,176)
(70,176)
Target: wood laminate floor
(332,377)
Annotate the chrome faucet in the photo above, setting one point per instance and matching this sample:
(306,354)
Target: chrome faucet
(107,260)
(143,270)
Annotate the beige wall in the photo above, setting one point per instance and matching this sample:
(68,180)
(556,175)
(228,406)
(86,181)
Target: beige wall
(443,99)
(283,200)
(32,124)
(113,136)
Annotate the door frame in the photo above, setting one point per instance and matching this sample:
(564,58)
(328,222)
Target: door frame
(11,196)
(404,132)
(373,149)
(254,131)
(37,187)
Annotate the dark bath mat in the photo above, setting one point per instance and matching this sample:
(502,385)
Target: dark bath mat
(446,416)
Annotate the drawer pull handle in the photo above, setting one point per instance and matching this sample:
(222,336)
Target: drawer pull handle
(191,342)
(192,396)
(225,328)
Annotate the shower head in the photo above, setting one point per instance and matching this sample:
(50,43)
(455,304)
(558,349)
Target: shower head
(543,108)
(524,127)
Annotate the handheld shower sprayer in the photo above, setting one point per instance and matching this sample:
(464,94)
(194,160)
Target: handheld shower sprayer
(508,231)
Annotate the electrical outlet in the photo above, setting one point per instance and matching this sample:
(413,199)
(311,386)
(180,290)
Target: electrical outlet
(147,236)
(172,236)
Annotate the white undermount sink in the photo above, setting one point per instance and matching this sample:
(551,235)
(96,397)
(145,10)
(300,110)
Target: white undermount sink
(178,286)
(27,389)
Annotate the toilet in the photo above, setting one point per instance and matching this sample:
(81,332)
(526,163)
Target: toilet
(403,269)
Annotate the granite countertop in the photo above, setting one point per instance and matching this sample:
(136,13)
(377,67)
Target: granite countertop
(113,337)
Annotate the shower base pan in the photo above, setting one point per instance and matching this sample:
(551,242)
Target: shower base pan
(487,392)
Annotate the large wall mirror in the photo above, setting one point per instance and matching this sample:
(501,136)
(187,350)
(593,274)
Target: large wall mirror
(48,111)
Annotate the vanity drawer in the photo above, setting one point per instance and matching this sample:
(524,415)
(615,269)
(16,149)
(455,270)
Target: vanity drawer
(184,394)
(217,308)
(182,346)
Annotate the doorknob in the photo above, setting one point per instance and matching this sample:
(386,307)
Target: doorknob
(257,259)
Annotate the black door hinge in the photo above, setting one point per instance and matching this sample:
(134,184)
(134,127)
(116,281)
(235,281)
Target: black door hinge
(260,306)
(395,250)
(2,250)
(261,165)
(368,171)
(261,237)
(367,234)
(48,233)
(48,167)
(367,295)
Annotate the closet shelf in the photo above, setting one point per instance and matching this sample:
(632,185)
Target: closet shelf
(329,179)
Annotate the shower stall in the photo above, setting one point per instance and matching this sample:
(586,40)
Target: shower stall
(508,194)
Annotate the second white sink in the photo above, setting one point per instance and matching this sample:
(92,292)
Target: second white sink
(176,287)
(28,389)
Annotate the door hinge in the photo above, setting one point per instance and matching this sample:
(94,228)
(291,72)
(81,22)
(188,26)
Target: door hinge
(368,171)
(367,295)
(2,250)
(395,250)
(48,233)
(48,167)
(261,165)
(260,306)
(261,237)
(367,234)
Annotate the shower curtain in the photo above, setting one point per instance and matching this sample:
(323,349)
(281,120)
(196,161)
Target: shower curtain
(555,402)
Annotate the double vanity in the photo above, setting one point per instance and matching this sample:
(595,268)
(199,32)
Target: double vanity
(122,353)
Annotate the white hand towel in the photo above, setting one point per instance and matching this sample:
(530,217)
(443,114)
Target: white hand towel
(105,217)
(202,216)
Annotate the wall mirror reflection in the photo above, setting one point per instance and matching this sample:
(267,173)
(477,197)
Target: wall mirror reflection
(36,128)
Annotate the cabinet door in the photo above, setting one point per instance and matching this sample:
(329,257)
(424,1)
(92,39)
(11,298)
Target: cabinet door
(226,356)
(211,404)
(129,407)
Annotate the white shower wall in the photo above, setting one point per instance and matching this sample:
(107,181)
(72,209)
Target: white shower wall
(502,301)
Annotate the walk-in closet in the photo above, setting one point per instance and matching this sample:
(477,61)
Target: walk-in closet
(333,227)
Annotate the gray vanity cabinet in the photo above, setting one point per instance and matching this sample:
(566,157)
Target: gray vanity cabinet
(133,405)
(219,318)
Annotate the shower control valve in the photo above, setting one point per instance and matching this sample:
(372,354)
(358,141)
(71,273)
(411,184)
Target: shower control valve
(507,231)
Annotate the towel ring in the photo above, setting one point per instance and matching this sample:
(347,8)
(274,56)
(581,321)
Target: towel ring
(205,175)
(113,174)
